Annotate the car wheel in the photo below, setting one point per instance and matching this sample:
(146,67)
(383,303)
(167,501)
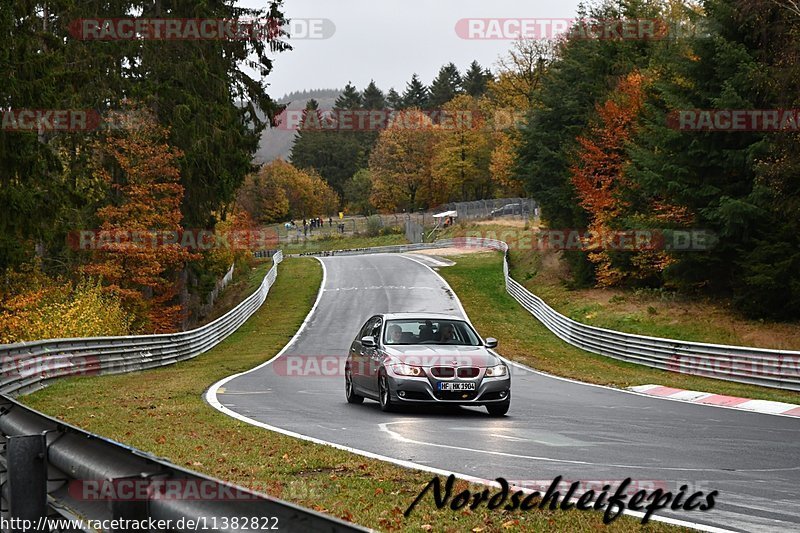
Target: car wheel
(384,395)
(349,391)
(499,409)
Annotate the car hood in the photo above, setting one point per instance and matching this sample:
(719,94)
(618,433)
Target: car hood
(428,355)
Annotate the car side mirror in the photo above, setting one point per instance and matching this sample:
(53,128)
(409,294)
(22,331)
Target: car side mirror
(491,342)
(368,342)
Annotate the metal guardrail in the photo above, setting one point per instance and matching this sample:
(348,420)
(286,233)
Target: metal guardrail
(53,472)
(28,366)
(756,366)
(397,248)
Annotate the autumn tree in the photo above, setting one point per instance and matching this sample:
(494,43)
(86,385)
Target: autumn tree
(357,193)
(263,198)
(400,164)
(509,96)
(136,262)
(520,73)
(600,181)
(281,191)
(463,153)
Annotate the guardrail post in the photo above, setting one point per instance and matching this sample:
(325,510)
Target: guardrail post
(133,509)
(26,457)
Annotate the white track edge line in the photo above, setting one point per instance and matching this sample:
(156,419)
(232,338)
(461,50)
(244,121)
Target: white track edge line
(211,398)
(211,393)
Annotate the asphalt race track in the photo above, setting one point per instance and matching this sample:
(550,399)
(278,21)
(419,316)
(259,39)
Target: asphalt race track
(555,427)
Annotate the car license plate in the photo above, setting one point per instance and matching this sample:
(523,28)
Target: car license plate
(456,386)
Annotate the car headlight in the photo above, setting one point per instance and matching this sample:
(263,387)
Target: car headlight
(408,370)
(496,371)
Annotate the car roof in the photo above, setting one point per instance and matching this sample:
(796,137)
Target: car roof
(421,316)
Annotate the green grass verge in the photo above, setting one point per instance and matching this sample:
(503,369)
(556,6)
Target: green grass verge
(162,412)
(653,312)
(478,281)
(336,242)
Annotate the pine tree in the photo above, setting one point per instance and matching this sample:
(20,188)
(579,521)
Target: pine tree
(725,180)
(394,100)
(373,98)
(416,95)
(335,155)
(350,99)
(476,80)
(445,87)
(201,91)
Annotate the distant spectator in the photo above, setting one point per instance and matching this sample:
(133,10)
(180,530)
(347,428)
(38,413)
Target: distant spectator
(330,222)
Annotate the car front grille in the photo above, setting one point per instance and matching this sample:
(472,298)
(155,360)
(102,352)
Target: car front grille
(468,372)
(443,372)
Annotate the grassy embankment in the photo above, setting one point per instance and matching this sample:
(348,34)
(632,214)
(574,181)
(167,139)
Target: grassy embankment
(478,281)
(657,313)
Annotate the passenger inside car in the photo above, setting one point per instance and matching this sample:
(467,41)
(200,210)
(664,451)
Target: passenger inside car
(426,332)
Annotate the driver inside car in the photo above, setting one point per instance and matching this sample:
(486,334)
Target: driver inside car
(448,335)
(395,334)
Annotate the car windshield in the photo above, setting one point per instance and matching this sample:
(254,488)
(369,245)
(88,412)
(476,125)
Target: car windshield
(430,331)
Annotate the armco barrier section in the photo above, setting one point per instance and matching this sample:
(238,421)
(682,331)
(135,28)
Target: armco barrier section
(757,366)
(53,473)
(27,366)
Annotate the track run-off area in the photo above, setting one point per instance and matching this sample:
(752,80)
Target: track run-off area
(555,427)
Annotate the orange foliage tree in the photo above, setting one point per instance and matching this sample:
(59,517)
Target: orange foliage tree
(599,177)
(137,263)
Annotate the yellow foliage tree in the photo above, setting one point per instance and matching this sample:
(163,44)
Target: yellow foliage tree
(401,164)
(463,152)
(509,97)
(35,307)
(280,190)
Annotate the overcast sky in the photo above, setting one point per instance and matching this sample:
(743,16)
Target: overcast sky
(389,40)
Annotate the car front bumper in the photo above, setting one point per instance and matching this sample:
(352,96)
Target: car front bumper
(418,390)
